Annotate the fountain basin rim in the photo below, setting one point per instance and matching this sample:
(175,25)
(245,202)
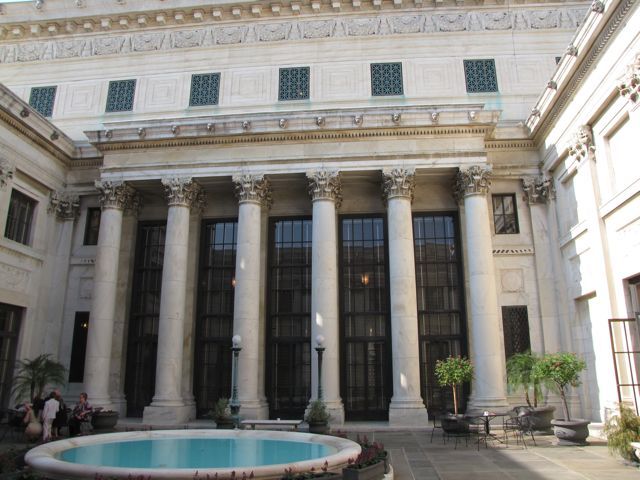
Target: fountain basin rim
(42,458)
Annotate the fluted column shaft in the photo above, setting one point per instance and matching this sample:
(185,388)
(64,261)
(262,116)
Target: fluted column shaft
(252,192)
(486,335)
(115,197)
(324,189)
(407,407)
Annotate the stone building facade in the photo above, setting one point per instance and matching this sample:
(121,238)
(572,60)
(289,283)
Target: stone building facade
(383,174)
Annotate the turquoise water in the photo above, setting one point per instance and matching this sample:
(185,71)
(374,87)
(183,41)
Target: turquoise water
(195,453)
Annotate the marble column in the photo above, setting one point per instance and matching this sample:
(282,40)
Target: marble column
(66,208)
(487,345)
(168,405)
(538,192)
(253,192)
(407,407)
(325,192)
(115,197)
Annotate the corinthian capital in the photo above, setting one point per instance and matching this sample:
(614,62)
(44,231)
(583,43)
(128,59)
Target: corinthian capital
(117,194)
(6,172)
(398,182)
(185,192)
(64,205)
(253,188)
(538,189)
(474,180)
(325,185)
(582,145)
(629,84)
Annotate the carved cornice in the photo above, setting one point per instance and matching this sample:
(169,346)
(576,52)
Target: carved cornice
(629,85)
(125,42)
(474,180)
(118,195)
(538,189)
(398,183)
(64,205)
(325,185)
(582,146)
(253,188)
(184,192)
(7,169)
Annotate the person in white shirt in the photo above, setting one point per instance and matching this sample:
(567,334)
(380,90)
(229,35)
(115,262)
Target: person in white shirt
(49,413)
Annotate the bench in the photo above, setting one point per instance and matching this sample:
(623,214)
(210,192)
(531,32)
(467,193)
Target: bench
(293,424)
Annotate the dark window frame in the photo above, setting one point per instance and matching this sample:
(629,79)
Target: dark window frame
(505,230)
(78,347)
(211,82)
(303,86)
(378,87)
(42,99)
(20,217)
(118,93)
(11,336)
(511,315)
(92,230)
(473,64)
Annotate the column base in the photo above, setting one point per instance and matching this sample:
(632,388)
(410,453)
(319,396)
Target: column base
(168,414)
(492,404)
(254,410)
(408,413)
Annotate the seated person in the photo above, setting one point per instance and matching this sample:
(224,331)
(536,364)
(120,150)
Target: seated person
(80,421)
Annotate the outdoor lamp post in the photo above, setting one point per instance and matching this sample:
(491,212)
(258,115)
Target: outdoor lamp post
(234,404)
(320,351)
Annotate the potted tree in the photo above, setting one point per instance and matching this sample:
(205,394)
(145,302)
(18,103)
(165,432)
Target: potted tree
(520,375)
(317,417)
(623,433)
(34,376)
(561,371)
(454,371)
(221,414)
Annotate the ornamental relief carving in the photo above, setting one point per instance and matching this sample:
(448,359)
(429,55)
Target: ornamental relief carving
(325,185)
(582,145)
(538,189)
(64,206)
(184,192)
(294,29)
(629,84)
(475,180)
(398,182)
(253,188)
(117,194)
(7,169)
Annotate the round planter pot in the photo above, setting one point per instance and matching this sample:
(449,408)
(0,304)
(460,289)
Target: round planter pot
(572,432)
(321,428)
(541,419)
(455,424)
(225,424)
(104,420)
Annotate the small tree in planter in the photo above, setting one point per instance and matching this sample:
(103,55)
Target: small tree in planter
(34,376)
(452,372)
(520,368)
(317,417)
(561,371)
(221,414)
(622,430)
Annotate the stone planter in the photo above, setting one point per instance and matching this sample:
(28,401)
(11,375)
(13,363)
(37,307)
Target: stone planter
(321,428)
(541,419)
(225,424)
(572,432)
(636,449)
(455,424)
(104,420)
(372,472)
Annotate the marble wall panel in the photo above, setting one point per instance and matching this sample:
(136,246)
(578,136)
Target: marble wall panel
(340,82)
(252,86)
(434,77)
(80,99)
(162,93)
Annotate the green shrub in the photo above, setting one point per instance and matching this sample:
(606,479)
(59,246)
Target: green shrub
(317,412)
(520,375)
(621,430)
(452,372)
(559,371)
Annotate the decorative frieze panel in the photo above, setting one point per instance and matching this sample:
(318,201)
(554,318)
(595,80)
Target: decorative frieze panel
(325,185)
(582,145)
(64,205)
(7,169)
(398,182)
(184,192)
(293,29)
(253,188)
(629,85)
(475,180)
(538,189)
(117,194)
